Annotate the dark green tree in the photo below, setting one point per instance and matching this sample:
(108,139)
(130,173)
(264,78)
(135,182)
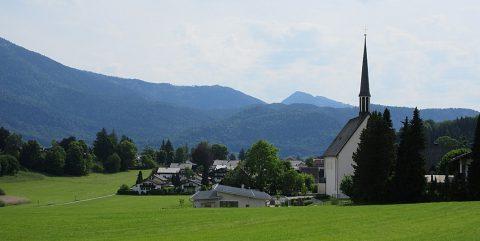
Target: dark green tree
(161,157)
(147,162)
(241,154)
(458,190)
(65,142)
(474,168)
(55,160)
(104,145)
(75,162)
(409,179)
(13,145)
(113,138)
(262,163)
(127,152)
(202,155)
(8,165)
(4,133)
(170,152)
(149,151)
(346,186)
(139,177)
(113,163)
(181,155)
(373,162)
(220,152)
(309,162)
(31,155)
(232,157)
(387,118)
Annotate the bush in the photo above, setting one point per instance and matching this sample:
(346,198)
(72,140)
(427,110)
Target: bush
(97,167)
(322,197)
(346,186)
(2,203)
(334,201)
(2,192)
(124,190)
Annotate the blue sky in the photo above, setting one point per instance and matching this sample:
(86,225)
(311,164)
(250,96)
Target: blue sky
(421,53)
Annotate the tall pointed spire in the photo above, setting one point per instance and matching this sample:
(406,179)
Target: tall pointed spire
(364,85)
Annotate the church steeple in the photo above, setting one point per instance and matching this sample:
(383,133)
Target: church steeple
(364,86)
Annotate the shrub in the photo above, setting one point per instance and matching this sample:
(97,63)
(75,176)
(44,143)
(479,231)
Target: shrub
(97,167)
(123,190)
(346,186)
(2,192)
(322,197)
(2,203)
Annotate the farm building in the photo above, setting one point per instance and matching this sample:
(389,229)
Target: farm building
(226,196)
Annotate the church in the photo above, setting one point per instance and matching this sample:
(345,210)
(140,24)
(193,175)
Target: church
(338,156)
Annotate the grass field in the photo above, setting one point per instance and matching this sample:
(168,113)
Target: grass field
(162,218)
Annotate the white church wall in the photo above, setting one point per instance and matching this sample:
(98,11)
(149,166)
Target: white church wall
(330,186)
(344,162)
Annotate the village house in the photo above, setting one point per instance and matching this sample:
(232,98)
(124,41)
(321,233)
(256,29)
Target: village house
(226,196)
(317,170)
(169,178)
(463,161)
(220,168)
(182,166)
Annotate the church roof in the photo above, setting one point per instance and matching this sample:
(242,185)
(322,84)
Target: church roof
(365,86)
(345,134)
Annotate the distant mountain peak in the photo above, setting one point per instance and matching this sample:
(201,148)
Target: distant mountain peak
(299,97)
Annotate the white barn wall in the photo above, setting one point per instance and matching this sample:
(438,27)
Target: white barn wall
(242,201)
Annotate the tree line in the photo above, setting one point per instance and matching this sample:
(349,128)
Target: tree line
(390,168)
(109,154)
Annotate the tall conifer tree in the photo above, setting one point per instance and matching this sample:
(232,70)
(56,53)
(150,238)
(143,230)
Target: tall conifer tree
(373,162)
(409,179)
(474,168)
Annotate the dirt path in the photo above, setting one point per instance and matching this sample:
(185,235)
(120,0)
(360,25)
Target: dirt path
(78,201)
(13,200)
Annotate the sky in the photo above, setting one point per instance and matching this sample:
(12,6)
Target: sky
(422,53)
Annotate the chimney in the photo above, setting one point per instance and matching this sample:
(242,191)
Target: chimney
(243,186)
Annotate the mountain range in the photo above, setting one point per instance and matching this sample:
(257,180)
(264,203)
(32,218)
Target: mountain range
(45,100)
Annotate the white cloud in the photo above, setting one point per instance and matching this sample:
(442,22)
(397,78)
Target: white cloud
(424,54)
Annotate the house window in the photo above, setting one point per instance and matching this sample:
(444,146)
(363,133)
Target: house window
(229,204)
(207,205)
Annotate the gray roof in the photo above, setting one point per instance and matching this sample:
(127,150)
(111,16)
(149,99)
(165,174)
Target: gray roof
(244,192)
(205,195)
(344,135)
(467,155)
(181,165)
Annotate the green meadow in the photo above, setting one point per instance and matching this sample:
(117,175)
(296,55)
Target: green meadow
(163,218)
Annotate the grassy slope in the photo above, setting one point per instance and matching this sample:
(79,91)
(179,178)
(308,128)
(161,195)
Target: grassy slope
(43,190)
(156,217)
